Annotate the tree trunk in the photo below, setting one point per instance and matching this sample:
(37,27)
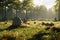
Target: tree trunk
(59,13)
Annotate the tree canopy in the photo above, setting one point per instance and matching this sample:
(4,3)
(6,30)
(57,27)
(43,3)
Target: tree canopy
(57,8)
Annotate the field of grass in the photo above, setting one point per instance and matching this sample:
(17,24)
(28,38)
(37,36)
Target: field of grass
(33,32)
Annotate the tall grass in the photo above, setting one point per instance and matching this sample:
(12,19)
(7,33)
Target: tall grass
(28,33)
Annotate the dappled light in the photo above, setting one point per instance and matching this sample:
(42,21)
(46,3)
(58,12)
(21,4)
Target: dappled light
(29,19)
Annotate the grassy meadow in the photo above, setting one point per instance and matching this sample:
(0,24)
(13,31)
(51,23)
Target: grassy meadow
(28,31)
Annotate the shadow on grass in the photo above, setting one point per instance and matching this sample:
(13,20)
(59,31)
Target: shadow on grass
(38,36)
(10,28)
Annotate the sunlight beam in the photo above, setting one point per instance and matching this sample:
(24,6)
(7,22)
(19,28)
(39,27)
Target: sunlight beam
(47,3)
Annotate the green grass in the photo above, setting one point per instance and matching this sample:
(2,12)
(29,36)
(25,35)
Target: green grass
(26,33)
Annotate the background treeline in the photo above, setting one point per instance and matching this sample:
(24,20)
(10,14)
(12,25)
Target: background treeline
(26,9)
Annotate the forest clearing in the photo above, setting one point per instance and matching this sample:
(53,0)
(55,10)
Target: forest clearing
(32,32)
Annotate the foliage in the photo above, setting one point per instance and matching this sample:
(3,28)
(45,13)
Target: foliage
(57,5)
(57,8)
(10,7)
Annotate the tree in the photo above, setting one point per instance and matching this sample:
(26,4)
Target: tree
(43,12)
(10,4)
(16,5)
(3,5)
(26,5)
(57,8)
(38,12)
